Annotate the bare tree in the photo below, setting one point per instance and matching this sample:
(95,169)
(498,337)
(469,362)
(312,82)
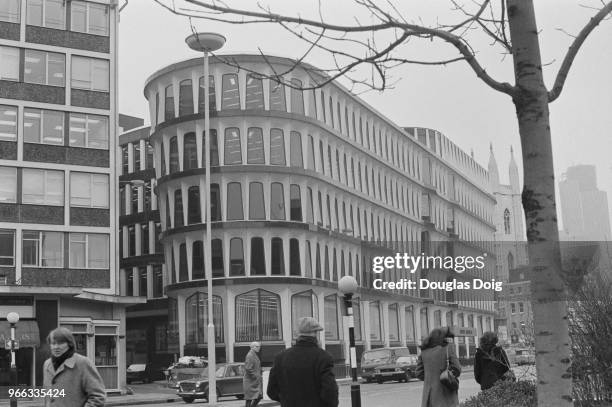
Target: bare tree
(511,25)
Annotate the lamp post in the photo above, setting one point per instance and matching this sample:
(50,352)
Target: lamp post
(13,318)
(205,43)
(347,286)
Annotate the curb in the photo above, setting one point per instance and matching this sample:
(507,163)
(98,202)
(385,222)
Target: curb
(268,403)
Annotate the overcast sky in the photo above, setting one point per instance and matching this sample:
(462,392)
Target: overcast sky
(448,98)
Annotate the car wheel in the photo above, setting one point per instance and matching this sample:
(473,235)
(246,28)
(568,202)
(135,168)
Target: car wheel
(379,381)
(188,400)
(369,380)
(240,396)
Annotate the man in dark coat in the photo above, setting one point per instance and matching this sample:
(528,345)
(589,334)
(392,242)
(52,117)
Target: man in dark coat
(302,375)
(252,381)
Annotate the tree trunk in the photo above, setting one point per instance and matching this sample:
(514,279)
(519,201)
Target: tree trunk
(548,286)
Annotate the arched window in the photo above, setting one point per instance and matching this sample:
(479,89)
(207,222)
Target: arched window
(234,201)
(277,201)
(297,97)
(296,159)
(162,158)
(178,208)
(230,96)
(331,113)
(194,214)
(217,258)
(277,96)
(312,102)
(277,147)
(185,98)
(295,203)
(174,155)
(278,258)
(169,103)
(506,221)
(215,203)
(310,158)
(326,264)
(236,257)
(214,148)
(197,266)
(256,201)
(258,316)
(303,304)
(321,157)
(294,258)
(318,262)
(331,317)
(510,261)
(254,93)
(255,146)
(258,258)
(233,152)
(196,318)
(190,152)
(310,212)
(335,266)
(308,257)
(212,100)
(183,273)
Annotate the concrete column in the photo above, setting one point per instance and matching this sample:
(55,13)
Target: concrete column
(230,324)
(180,303)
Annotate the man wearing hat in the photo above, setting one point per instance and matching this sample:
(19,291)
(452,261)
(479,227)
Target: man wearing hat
(302,375)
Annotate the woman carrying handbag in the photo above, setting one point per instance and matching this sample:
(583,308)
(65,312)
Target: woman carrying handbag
(491,362)
(437,362)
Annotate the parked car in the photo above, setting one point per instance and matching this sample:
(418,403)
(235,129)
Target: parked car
(524,357)
(140,372)
(186,367)
(382,364)
(229,383)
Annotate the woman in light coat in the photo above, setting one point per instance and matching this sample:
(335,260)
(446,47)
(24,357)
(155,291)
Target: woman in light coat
(72,378)
(432,362)
(252,382)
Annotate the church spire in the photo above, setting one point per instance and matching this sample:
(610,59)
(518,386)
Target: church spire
(513,173)
(493,170)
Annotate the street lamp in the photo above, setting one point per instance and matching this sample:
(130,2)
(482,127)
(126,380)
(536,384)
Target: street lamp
(347,286)
(207,42)
(13,318)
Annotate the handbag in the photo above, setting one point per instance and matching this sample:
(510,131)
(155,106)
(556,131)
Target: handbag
(447,378)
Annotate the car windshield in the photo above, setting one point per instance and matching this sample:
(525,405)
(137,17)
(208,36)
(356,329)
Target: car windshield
(136,367)
(375,355)
(403,352)
(405,359)
(218,373)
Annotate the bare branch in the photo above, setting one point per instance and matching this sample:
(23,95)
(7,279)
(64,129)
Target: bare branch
(574,48)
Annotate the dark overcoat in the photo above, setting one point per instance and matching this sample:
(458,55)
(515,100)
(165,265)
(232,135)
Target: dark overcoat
(489,367)
(302,376)
(432,362)
(80,381)
(252,383)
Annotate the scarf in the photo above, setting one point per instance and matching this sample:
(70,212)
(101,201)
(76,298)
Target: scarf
(57,361)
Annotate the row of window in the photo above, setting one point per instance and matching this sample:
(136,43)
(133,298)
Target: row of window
(46,187)
(513,307)
(139,281)
(85,17)
(49,68)
(44,126)
(46,249)
(142,157)
(139,238)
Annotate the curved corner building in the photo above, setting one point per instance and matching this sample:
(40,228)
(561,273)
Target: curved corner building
(306,187)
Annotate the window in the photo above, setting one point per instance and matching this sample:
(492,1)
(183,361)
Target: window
(375,331)
(258,316)
(90,74)
(312,102)
(303,304)
(230,97)
(89,190)
(277,147)
(169,103)
(178,208)
(278,258)
(43,126)
(258,259)
(89,250)
(310,157)
(410,330)
(158,281)
(296,150)
(9,63)
(256,205)
(233,153)
(193,205)
(255,146)
(47,13)
(136,154)
(8,122)
(42,249)
(234,201)
(294,258)
(7,247)
(217,258)
(8,185)
(513,308)
(44,68)
(197,267)
(174,155)
(215,203)
(310,211)
(277,96)
(190,152)
(185,98)
(88,17)
(254,92)
(183,272)
(91,131)
(9,11)
(507,221)
(331,317)
(297,97)
(236,257)
(295,203)
(521,307)
(196,318)
(214,148)
(212,100)
(277,201)
(393,323)
(43,187)
(144,238)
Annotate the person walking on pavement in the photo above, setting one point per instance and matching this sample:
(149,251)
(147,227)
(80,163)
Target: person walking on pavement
(436,356)
(252,382)
(490,362)
(73,376)
(302,375)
